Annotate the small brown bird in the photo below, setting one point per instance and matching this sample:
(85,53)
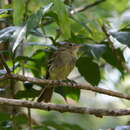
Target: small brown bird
(61,64)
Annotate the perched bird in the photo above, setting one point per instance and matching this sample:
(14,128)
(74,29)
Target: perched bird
(60,66)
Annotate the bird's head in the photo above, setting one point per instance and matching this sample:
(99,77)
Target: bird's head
(71,47)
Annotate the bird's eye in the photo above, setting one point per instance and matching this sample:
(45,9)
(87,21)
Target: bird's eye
(70,44)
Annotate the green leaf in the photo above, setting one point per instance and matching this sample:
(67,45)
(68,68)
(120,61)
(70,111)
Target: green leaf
(93,50)
(19,10)
(4,116)
(68,92)
(123,37)
(23,58)
(28,93)
(38,67)
(19,34)
(61,126)
(6,125)
(21,119)
(2,11)
(47,8)
(35,18)
(89,70)
(6,33)
(63,18)
(115,58)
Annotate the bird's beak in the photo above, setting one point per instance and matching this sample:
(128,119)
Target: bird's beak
(78,45)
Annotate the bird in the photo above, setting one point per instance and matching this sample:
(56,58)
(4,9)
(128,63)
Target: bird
(59,67)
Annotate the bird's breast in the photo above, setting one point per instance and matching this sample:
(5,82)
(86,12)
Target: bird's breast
(61,66)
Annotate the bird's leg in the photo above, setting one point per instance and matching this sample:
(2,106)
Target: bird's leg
(70,81)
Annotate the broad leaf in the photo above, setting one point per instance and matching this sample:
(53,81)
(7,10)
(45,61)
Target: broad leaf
(115,58)
(23,58)
(63,18)
(19,34)
(123,37)
(35,18)
(93,50)
(19,10)
(38,67)
(89,70)
(5,11)
(6,33)
(28,93)
(68,92)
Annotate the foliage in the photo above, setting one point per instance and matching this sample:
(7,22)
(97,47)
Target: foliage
(34,29)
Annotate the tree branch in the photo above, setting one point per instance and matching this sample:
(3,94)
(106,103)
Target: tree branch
(83,8)
(64,108)
(120,60)
(56,83)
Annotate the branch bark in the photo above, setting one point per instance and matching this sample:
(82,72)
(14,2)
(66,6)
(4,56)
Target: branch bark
(56,83)
(64,108)
(83,8)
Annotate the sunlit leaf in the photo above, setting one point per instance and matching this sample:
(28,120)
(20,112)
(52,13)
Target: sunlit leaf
(63,18)
(35,18)
(20,34)
(5,10)
(23,58)
(6,33)
(47,8)
(19,10)
(39,65)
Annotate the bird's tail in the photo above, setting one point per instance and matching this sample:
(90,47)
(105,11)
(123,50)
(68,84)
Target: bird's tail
(45,95)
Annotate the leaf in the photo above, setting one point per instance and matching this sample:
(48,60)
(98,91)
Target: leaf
(2,11)
(3,71)
(21,119)
(93,50)
(20,34)
(35,18)
(68,92)
(28,93)
(6,33)
(123,37)
(125,29)
(115,59)
(23,58)
(36,32)
(4,116)
(38,67)
(19,10)
(63,18)
(89,70)
(47,8)
(61,126)
(7,124)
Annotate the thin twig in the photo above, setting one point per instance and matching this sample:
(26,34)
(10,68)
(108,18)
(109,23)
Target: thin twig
(65,108)
(83,8)
(4,64)
(114,50)
(29,118)
(56,83)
